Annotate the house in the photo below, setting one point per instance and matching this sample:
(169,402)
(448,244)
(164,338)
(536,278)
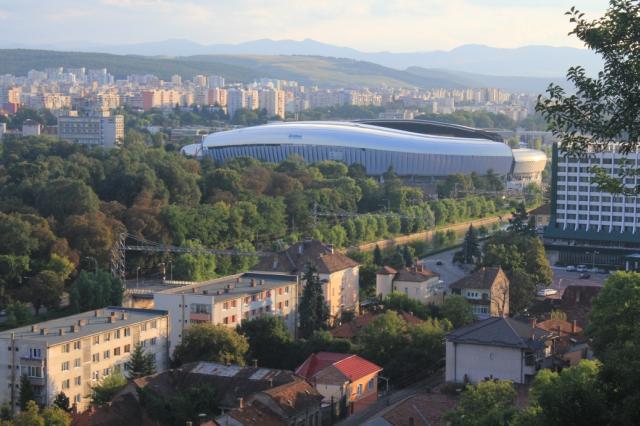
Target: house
(498,348)
(577,301)
(541,216)
(349,330)
(487,290)
(338,273)
(343,379)
(417,282)
(295,403)
(569,344)
(421,409)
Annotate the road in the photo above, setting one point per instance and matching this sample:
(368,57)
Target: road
(395,396)
(563,279)
(448,271)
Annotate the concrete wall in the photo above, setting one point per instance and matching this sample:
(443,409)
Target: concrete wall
(384,284)
(479,361)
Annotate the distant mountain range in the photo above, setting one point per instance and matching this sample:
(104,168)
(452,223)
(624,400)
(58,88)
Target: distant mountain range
(529,61)
(308,70)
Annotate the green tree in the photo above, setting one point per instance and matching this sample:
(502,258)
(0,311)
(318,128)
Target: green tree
(314,311)
(44,289)
(54,416)
(489,403)
(268,339)
(458,310)
(383,338)
(520,223)
(214,343)
(601,109)
(470,252)
(377,256)
(26,392)
(29,416)
(62,401)
(140,363)
(612,325)
(572,397)
(103,392)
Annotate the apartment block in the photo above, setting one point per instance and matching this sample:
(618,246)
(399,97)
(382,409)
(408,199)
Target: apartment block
(229,301)
(96,130)
(70,354)
(589,226)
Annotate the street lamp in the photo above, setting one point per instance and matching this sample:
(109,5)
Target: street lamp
(137,276)
(593,257)
(164,271)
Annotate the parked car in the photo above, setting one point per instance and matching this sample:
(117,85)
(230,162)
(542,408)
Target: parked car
(581,268)
(571,268)
(547,292)
(439,263)
(585,276)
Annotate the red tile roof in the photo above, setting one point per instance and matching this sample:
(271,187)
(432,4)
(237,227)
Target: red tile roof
(352,367)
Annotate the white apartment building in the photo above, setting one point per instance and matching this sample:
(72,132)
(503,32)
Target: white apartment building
(272,100)
(96,130)
(236,99)
(229,301)
(70,354)
(587,225)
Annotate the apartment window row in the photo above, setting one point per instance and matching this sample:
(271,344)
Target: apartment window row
(106,337)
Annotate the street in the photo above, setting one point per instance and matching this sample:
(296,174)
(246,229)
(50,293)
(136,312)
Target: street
(448,271)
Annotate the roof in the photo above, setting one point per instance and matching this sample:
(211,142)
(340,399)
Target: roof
(499,331)
(123,409)
(356,135)
(350,329)
(294,397)
(565,327)
(423,409)
(297,257)
(386,270)
(434,128)
(415,274)
(252,415)
(544,210)
(352,367)
(81,325)
(483,278)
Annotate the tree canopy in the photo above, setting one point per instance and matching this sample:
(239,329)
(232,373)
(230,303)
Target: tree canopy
(214,343)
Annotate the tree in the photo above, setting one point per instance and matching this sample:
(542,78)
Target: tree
(458,310)
(29,416)
(489,403)
(26,392)
(407,255)
(268,339)
(62,401)
(612,325)
(103,392)
(44,289)
(92,291)
(213,343)
(520,223)
(470,252)
(383,338)
(377,256)
(140,363)
(314,311)
(603,108)
(572,397)
(55,416)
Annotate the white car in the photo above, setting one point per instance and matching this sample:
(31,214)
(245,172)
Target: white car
(581,268)
(547,292)
(571,268)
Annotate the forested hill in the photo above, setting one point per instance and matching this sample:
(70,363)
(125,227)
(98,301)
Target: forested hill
(308,70)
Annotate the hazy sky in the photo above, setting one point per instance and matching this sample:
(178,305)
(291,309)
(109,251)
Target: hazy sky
(370,25)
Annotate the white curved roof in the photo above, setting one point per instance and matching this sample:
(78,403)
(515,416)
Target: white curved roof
(355,135)
(528,160)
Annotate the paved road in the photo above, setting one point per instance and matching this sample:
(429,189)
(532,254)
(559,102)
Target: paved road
(449,273)
(393,397)
(563,279)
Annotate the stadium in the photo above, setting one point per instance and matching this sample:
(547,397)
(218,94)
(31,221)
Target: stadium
(414,148)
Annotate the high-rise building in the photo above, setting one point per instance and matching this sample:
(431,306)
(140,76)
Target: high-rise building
(272,100)
(236,99)
(218,96)
(31,128)
(176,80)
(200,80)
(587,225)
(97,130)
(72,353)
(216,81)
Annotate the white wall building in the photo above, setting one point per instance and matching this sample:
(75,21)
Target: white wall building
(97,130)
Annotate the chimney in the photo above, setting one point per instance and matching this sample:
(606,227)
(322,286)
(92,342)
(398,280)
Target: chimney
(237,280)
(35,328)
(226,290)
(82,322)
(574,327)
(255,363)
(193,289)
(111,320)
(44,331)
(330,248)
(189,423)
(75,328)
(123,316)
(253,282)
(61,332)
(534,322)
(261,282)
(205,291)
(96,313)
(241,403)
(270,383)
(300,248)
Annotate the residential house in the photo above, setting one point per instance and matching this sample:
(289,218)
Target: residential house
(295,403)
(338,273)
(487,290)
(343,379)
(421,409)
(569,344)
(417,282)
(541,216)
(496,348)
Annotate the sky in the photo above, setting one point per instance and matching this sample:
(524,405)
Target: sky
(367,25)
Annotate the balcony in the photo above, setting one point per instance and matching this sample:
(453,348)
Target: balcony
(200,316)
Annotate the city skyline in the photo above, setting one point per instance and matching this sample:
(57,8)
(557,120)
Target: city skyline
(400,25)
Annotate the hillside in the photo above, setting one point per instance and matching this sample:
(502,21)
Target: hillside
(308,70)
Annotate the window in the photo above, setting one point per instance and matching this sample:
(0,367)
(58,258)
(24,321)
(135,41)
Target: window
(65,348)
(116,351)
(143,327)
(233,318)
(370,384)
(286,303)
(65,366)
(233,303)
(35,353)
(95,375)
(154,324)
(106,371)
(127,332)
(77,381)
(76,345)
(127,349)
(116,334)
(106,354)
(225,305)
(225,320)
(77,399)
(360,389)
(96,340)
(32,371)
(95,357)
(106,337)
(76,363)
(65,384)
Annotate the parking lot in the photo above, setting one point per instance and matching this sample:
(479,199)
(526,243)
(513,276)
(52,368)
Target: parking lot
(563,279)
